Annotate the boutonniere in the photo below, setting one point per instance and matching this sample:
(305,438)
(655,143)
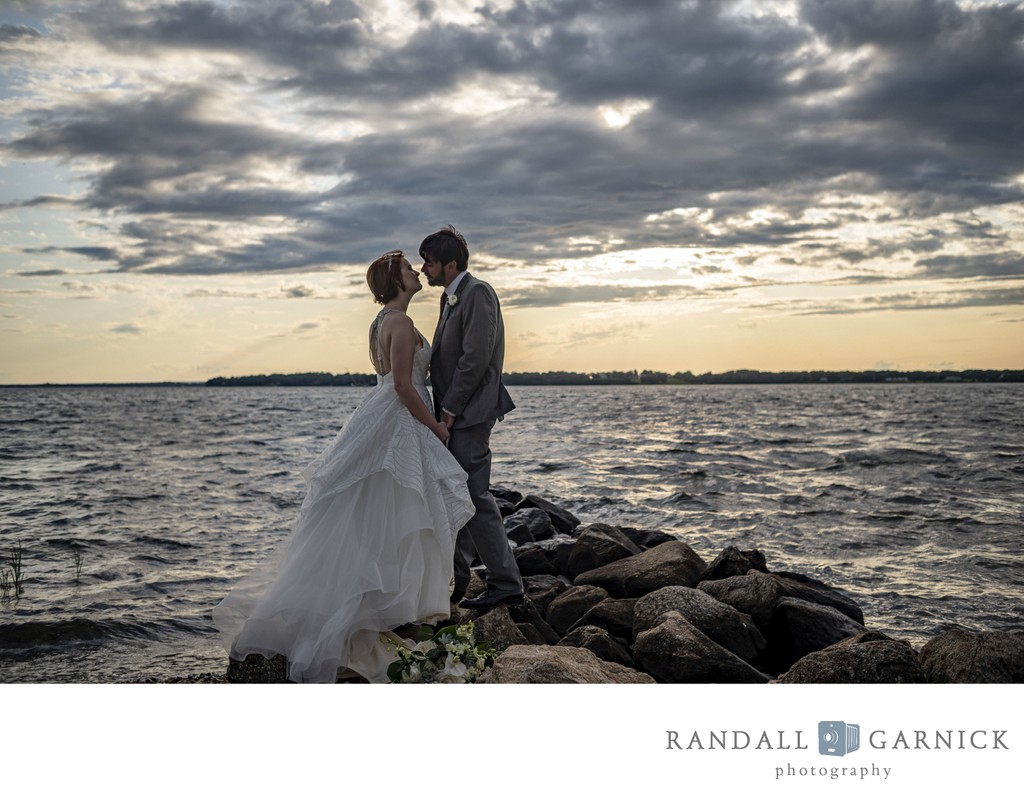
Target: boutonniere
(453,299)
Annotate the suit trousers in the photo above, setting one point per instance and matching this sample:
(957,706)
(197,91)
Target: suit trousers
(484,536)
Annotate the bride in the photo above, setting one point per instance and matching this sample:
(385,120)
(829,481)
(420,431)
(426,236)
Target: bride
(373,547)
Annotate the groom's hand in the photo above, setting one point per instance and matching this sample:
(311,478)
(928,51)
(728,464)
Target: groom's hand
(448,419)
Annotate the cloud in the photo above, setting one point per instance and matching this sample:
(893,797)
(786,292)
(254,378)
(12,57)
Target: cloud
(127,329)
(239,139)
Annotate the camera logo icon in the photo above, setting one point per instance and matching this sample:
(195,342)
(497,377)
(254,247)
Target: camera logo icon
(837,739)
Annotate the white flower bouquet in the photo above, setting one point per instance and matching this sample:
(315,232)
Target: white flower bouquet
(451,655)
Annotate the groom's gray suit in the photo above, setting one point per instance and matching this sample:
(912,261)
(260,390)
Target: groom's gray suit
(465,376)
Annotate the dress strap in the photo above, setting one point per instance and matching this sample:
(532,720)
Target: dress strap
(375,337)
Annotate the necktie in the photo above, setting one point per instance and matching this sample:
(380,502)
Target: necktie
(444,298)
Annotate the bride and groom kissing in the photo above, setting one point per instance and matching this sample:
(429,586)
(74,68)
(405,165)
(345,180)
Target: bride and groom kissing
(397,506)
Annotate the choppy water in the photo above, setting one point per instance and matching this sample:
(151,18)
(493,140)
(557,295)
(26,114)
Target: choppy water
(909,497)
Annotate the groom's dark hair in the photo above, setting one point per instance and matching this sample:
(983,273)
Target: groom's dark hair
(447,245)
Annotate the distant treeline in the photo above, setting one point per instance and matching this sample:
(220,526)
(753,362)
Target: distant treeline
(652,378)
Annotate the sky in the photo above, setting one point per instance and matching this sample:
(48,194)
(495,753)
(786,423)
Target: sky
(193,189)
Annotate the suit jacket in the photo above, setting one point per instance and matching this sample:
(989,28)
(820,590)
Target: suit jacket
(467,355)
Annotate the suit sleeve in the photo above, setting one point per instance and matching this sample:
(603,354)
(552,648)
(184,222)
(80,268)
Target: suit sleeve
(479,332)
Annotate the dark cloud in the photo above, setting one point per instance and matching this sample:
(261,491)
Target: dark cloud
(553,296)
(919,103)
(1008,265)
(42,273)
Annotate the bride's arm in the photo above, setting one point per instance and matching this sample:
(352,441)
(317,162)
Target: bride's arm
(404,342)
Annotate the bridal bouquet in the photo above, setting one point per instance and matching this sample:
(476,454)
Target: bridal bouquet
(451,655)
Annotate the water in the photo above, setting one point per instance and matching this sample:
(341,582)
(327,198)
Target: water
(908,497)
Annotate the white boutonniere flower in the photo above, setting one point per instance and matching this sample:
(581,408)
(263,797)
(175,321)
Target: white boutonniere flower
(453,299)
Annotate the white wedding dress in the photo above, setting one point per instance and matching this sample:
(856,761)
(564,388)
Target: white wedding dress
(373,547)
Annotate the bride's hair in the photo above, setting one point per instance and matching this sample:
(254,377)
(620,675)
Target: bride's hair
(384,276)
(447,245)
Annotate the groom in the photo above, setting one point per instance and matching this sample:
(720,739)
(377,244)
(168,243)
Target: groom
(465,375)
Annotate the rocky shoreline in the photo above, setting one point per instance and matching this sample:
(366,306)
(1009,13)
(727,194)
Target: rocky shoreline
(615,604)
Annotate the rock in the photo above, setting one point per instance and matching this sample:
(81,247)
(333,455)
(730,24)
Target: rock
(869,657)
(596,545)
(757,594)
(664,565)
(959,656)
(498,628)
(525,613)
(541,589)
(536,520)
(677,652)
(799,628)
(614,615)
(534,560)
(722,623)
(258,669)
(568,608)
(506,494)
(506,508)
(803,587)
(601,643)
(735,563)
(564,521)
(648,538)
(539,664)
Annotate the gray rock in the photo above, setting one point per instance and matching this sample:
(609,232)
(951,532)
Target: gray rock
(506,508)
(614,615)
(536,520)
(541,664)
(675,651)
(506,494)
(757,594)
(541,589)
(869,657)
(601,643)
(498,628)
(648,538)
(959,656)
(568,608)
(722,623)
(533,560)
(735,563)
(596,545)
(518,534)
(799,628)
(525,613)
(664,565)
(565,522)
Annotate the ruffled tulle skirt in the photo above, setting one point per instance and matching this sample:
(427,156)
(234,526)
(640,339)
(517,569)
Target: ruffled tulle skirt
(372,549)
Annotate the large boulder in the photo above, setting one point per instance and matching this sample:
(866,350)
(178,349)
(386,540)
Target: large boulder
(735,563)
(869,657)
(799,628)
(601,643)
(648,538)
(596,545)
(541,589)
(614,615)
(568,607)
(757,594)
(959,656)
(721,623)
(498,628)
(526,615)
(536,520)
(541,664)
(564,521)
(532,559)
(664,565)
(675,651)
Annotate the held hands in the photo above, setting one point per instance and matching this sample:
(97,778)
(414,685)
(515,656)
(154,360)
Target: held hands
(441,431)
